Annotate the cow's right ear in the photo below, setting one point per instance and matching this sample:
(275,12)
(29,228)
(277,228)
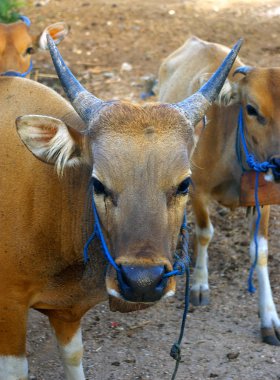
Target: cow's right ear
(57,31)
(50,140)
(229,93)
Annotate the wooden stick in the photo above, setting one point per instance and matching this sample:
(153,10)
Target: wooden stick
(140,325)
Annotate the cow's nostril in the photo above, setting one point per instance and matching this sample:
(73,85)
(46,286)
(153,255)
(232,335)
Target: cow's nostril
(142,283)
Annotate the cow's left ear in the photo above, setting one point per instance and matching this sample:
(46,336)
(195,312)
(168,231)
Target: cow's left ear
(57,31)
(51,141)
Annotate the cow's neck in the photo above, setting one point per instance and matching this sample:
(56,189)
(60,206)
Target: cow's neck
(79,204)
(75,225)
(216,155)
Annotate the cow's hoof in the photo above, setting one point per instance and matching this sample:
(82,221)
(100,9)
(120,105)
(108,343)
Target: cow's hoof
(271,336)
(199,297)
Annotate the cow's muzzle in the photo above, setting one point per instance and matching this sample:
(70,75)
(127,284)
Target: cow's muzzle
(142,283)
(275,161)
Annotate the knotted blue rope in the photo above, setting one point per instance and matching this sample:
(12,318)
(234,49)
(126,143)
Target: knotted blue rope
(181,262)
(258,167)
(30,68)
(180,267)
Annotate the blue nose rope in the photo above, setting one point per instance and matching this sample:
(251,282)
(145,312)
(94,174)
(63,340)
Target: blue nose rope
(180,267)
(12,73)
(258,167)
(180,263)
(97,233)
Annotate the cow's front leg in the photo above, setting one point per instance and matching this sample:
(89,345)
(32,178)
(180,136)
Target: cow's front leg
(13,318)
(270,322)
(70,345)
(203,234)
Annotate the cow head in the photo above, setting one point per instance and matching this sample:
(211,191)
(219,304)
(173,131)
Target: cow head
(257,90)
(259,94)
(141,168)
(17,44)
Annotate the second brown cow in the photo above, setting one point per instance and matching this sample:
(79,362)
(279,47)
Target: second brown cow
(17,45)
(216,169)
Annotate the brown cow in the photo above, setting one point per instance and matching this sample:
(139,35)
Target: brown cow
(137,159)
(17,44)
(216,170)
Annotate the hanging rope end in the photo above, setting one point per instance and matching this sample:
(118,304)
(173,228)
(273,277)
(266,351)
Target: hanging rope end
(251,288)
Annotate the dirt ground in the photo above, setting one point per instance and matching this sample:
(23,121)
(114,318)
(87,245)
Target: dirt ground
(105,34)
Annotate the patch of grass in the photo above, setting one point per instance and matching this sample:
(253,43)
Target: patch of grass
(9,10)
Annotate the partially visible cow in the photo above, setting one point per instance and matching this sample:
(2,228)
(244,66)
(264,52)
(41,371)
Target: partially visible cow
(17,44)
(134,160)
(216,169)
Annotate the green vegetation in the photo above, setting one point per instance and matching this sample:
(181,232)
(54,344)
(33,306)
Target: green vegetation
(9,10)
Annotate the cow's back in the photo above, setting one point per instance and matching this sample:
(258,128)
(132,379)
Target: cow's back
(181,74)
(184,71)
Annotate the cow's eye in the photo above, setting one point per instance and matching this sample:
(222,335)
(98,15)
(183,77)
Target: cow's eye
(251,111)
(29,50)
(183,188)
(98,187)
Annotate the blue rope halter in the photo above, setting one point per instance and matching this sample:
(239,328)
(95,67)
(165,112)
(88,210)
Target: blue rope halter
(180,267)
(180,264)
(11,73)
(258,167)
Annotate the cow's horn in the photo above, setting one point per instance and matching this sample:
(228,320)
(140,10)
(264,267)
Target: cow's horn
(83,101)
(243,70)
(197,104)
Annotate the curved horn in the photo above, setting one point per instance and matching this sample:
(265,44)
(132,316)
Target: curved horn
(197,104)
(83,101)
(243,70)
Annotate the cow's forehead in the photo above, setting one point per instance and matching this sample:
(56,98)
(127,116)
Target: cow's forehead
(150,147)
(140,121)
(124,161)
(16,33)
(14,28)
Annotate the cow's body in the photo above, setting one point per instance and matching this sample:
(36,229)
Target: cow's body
(216,170)
(46,231)
(41,245)
(17,45)
(46,221)
(133,162)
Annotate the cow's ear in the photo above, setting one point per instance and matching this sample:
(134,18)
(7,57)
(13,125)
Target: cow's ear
(51,141)
(229,93)
(57,31)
